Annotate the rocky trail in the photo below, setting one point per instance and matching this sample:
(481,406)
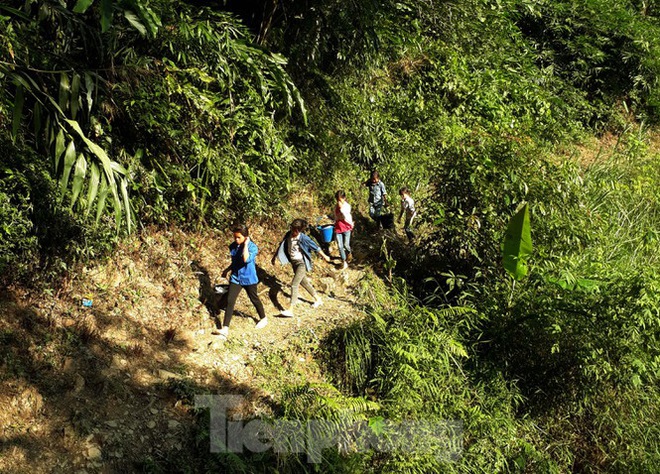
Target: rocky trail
(108,387)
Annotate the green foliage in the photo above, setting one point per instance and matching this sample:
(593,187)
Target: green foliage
(517,245)
(225,96)
(18,245)
(40,240)
(62,106)
(609,49)
(145,122)
(413,360)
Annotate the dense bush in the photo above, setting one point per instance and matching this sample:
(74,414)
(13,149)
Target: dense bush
(40,239)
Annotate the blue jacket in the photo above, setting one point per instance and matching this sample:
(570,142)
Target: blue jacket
(376,192)
(307,246)
(243,273)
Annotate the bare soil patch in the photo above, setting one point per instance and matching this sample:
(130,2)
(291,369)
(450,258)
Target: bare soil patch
(105,388)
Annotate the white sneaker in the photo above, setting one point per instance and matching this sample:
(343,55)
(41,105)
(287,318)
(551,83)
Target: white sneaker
(223,333)
(317,303)
(262,323)
(287,313)
(345,266)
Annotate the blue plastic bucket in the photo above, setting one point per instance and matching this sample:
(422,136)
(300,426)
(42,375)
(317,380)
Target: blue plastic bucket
(326,232)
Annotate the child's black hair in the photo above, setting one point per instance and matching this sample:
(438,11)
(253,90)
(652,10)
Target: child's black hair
(241,229)
(404,189)
(299,224)
(340,194)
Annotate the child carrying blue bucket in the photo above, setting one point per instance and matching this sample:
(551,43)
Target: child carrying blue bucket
(326,232)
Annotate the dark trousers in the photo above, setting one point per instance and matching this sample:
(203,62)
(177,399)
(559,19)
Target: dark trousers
(232,294)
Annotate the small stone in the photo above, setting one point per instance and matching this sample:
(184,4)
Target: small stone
(111,424)
(173,424)
(69,431)
(68,365)
(151,425)
(166,375)
(94,452)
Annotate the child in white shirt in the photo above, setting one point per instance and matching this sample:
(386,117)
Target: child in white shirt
(407,208)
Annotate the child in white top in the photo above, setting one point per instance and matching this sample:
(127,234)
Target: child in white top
(407,208)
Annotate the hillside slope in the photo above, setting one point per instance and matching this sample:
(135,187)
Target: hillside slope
(108,388)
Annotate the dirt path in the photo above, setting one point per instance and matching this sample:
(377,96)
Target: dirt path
(107,388)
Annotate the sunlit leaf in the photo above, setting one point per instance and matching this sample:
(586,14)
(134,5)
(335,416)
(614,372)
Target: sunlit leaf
(75,98)
(89,86)
(109,167)
(69,159)
(135,22)
(103,194)
(59,149)
(127,204)
(517,245)
(80,170)
(65,90)
(93,186)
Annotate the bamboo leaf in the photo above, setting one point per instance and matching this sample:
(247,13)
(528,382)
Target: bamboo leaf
(106,15)
(19,100)
(127,204)
(15,12)
(75,97)
(117,204)
(18,79)
(50,133)
(517,245)
(69,158)
(93,188)
(59,149)
(82,6)
(79,173)
(89,86)
(65,89)
(150,18)
(135,22)
(109,167)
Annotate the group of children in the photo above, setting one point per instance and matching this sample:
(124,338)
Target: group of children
(378,203)
(296,248)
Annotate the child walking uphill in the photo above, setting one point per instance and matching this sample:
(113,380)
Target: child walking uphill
(343,226)
(407,208)
(243,275)
(296,248)
(377,196)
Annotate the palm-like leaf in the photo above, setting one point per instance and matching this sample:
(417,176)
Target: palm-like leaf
(517,245)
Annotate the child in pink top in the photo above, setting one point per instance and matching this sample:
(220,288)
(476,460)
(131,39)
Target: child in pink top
(343,226)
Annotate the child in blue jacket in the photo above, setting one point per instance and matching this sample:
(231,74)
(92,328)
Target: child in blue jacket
(243,275)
